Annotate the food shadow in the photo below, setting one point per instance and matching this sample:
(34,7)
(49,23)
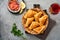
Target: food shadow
(1,23)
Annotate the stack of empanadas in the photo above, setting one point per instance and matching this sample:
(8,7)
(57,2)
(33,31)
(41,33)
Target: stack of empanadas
(35,22)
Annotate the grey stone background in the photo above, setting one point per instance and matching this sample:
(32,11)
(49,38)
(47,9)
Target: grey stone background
(7,19)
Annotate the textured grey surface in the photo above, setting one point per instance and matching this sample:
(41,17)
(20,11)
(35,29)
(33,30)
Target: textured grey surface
(7,19)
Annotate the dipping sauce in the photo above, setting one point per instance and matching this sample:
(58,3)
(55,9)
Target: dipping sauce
(13,5)
(55,7)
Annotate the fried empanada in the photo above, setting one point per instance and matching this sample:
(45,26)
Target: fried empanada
(43,19)
(36,16)
(33,25)
(39,29)
(29,21)
(29,13)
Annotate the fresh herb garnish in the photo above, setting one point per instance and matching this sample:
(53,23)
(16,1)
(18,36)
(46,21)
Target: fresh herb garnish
(16,31)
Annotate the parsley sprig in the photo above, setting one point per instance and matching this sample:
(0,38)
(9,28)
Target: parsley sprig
(17,32)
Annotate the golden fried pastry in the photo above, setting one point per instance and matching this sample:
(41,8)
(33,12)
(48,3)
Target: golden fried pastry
(39,29)
(43,19)
(29,14)
(35,21)
(29,21)
(33,25)
(37,16)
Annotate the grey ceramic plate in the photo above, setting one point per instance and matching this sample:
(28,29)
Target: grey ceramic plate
(7,19)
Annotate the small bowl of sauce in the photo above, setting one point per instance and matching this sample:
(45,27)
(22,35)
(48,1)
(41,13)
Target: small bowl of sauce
(13,6)
(54,8)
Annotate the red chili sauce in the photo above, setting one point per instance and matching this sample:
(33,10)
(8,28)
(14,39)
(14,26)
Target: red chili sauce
(55,7)
(13,5)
